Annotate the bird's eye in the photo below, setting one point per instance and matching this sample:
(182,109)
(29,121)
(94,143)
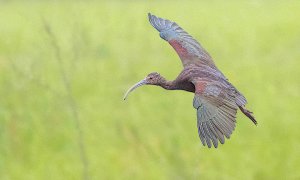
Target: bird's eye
(150,77)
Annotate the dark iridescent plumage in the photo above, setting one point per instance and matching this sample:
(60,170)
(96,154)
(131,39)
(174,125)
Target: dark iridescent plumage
(216,100)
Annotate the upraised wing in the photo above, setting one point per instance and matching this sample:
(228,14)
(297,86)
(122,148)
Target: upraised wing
(188,49)
(216,113)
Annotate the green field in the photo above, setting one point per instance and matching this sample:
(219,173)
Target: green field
(64,68)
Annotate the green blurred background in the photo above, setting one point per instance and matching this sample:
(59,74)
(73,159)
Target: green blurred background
(64,67)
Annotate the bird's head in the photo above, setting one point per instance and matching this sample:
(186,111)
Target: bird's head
(151,79)
(154,78)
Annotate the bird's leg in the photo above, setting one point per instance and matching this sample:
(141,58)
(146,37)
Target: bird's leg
(248,114)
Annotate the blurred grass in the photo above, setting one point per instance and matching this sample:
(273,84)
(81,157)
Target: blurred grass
(108,46)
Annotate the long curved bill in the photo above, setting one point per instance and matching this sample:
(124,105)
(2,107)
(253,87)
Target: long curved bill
(142,82)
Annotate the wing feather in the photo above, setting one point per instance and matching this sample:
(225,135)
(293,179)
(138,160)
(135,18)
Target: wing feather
(201,134)
(216,113)
(189,50)
(218,132)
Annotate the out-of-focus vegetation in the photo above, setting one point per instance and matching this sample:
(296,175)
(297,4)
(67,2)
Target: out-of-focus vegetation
(64,67)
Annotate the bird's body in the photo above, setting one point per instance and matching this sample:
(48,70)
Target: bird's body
(216,99)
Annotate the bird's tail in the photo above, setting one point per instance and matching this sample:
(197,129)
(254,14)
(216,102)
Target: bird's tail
(249,114)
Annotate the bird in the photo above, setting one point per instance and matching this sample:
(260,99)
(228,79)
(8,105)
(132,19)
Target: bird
(216,100)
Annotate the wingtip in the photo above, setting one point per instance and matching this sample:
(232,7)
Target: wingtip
(150,16)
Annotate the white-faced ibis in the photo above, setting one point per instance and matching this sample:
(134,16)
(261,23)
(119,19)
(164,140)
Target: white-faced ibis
(216,99)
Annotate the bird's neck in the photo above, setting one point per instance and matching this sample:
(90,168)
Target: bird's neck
(169,85)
